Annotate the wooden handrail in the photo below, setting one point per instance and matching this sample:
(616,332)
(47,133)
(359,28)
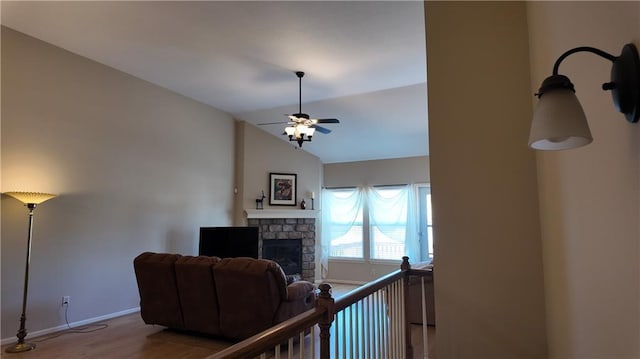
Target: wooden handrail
(271,337)
(367,289)
(419,272)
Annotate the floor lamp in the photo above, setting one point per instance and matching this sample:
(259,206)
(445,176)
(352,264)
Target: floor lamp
(31,200)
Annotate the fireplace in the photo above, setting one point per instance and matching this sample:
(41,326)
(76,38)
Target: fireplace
(287,252)
(284,227)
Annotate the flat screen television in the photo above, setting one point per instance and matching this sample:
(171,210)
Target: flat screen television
(229,242)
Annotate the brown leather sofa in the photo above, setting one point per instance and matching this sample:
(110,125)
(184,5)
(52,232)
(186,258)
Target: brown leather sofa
(233,298)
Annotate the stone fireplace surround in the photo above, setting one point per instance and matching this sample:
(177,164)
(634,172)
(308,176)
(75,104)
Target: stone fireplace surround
(288,224)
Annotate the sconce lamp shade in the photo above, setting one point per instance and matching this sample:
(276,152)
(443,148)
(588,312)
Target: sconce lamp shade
(30,197)
(559,122)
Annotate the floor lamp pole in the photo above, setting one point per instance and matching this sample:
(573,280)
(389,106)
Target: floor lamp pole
(31,200)
(21,346)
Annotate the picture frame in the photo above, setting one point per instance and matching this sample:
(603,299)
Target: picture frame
(283,189)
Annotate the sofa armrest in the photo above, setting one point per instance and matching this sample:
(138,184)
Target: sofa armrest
(301,296)
(298,290)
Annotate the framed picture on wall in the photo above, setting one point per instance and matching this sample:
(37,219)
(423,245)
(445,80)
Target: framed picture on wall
(282,189)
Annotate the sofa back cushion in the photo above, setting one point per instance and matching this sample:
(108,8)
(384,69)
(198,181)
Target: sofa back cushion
(249,293)
(197,293)
(159,302)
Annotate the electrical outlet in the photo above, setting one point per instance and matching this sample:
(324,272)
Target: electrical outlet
(66,300)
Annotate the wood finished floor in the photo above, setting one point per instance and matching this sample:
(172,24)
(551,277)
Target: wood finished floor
(129,337)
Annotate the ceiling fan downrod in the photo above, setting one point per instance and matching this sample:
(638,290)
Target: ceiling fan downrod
(300,74)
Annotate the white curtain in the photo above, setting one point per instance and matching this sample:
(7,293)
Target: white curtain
(412,239)
(393,211)
(341,210)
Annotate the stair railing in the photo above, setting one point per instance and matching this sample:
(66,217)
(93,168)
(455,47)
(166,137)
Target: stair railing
(368,322)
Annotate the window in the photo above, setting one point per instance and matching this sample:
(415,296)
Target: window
(425,222)
(379,223)
(388,208)
(343,225)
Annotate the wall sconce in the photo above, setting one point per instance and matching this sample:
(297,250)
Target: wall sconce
(558,120)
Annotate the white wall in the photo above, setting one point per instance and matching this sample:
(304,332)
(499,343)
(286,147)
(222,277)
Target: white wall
(589,197)
(488,278)
(374,172)
(136,168)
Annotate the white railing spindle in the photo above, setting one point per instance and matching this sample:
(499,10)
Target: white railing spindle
(425,337)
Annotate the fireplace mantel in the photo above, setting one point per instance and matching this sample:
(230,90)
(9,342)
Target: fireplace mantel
(281,213)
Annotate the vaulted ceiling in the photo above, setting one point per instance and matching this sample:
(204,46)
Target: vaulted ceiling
(365,61)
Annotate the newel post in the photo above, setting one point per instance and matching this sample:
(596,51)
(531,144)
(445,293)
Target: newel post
(325,301)
(405,267)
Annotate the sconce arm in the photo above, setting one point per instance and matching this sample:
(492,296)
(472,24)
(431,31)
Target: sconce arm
(593,50)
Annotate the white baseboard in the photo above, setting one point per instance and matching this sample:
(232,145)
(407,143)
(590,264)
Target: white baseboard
(74,324)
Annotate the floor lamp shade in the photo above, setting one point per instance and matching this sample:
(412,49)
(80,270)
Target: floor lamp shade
(31,200)
(30,197)
(559,122)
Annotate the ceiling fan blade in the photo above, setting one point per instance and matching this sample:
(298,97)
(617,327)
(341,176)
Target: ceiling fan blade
(272,123)
(321,129)
(326,120)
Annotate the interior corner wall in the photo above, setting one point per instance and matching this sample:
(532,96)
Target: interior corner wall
(262,153)
(137,168)
(239,217)
(488,264)
(590,196)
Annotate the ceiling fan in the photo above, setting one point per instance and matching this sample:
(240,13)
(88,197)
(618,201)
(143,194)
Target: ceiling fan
(301,127)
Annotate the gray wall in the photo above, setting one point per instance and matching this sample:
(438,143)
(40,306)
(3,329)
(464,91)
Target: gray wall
(377,172)
(136,168)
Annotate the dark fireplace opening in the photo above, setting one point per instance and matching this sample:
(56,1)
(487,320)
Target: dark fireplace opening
(286,252)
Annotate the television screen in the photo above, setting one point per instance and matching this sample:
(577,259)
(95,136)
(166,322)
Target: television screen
(229,242)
